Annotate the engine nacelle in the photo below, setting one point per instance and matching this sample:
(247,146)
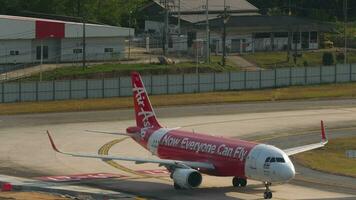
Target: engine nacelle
(187,178)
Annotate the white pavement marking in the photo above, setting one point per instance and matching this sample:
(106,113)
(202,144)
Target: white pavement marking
(29,184)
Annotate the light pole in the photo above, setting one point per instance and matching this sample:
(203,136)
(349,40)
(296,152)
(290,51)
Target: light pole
(345,34)
(129,54)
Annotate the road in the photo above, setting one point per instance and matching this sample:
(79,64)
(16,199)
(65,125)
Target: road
(25,151)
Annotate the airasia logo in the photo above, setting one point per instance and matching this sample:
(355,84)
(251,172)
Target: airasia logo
(144,115)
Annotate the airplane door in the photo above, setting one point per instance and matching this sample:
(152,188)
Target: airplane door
(251,163)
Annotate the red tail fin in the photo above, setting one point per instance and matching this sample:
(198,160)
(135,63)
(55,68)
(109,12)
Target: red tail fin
(145,116)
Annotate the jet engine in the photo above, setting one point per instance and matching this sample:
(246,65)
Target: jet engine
(187,178)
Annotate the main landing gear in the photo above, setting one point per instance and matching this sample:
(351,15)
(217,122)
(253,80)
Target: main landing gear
(239,182)
(268,193)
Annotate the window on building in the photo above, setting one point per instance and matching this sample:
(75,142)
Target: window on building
(170,42)
(191,37)
(281,35)
(14,53)
(296,37)
(44,53)
(313,37)
(109,50)
(262,35)
(77,51)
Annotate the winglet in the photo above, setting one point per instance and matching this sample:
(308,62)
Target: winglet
(52,143)
(324,139)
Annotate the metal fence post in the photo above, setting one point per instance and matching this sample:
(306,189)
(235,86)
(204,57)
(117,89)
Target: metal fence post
(350,71)
(119,86)
(305,75)
(321,74)
(245,79)
(167,85)
(275,77)
(198,81)
(20,99)
(36,90)
(103,88)
(290,76)
(229,80)
(335,71)
(183,83)
(3,93)
(86,89)
(70,89)
(260,83)
(214,83)
(53,90)
(151,84)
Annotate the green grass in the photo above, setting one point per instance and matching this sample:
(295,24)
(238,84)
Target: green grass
(332,158)
(114,69)
(347,90)
(279,59)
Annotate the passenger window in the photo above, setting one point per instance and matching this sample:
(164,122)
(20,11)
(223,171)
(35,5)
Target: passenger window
(267,159)
(281,160)
(273,160)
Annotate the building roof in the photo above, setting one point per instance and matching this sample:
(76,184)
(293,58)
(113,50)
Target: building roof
(17,27)
(271,24)
(214,5)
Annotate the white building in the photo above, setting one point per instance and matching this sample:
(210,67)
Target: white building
(22,38)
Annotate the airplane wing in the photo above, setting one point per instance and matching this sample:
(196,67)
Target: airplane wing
(300,149)
(112,133)
(161,162)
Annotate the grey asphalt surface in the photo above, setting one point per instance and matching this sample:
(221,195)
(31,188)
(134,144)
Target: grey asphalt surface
(167,112)
(162,190)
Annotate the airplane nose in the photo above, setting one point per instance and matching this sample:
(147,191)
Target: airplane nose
(287,172)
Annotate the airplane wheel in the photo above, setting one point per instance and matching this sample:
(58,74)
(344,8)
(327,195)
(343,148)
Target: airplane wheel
(239,182)
(267,195)
(176,186)
(236,182)
(243,182)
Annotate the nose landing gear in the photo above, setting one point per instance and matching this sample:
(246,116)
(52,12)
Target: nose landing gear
(268,193)
(239,182)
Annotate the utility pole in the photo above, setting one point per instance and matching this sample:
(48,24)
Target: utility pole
(289,8)
(84,44)
(207,33)
(225,18)
(129,53)
(166,23)
(345,28)
(179,31)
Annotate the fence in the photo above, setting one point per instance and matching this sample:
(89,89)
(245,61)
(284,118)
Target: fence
(175,84)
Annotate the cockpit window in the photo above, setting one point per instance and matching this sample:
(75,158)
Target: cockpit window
(281,160)
(272,160)
(267,159)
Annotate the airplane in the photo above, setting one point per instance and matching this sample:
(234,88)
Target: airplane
(188,155)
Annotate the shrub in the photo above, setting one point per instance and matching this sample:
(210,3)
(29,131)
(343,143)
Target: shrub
(328,58)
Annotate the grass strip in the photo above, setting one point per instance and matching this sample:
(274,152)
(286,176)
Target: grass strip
(347,90)
(332,158)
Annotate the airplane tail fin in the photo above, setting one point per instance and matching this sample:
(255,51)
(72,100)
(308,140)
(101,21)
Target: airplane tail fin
(324,138)
(144,113)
